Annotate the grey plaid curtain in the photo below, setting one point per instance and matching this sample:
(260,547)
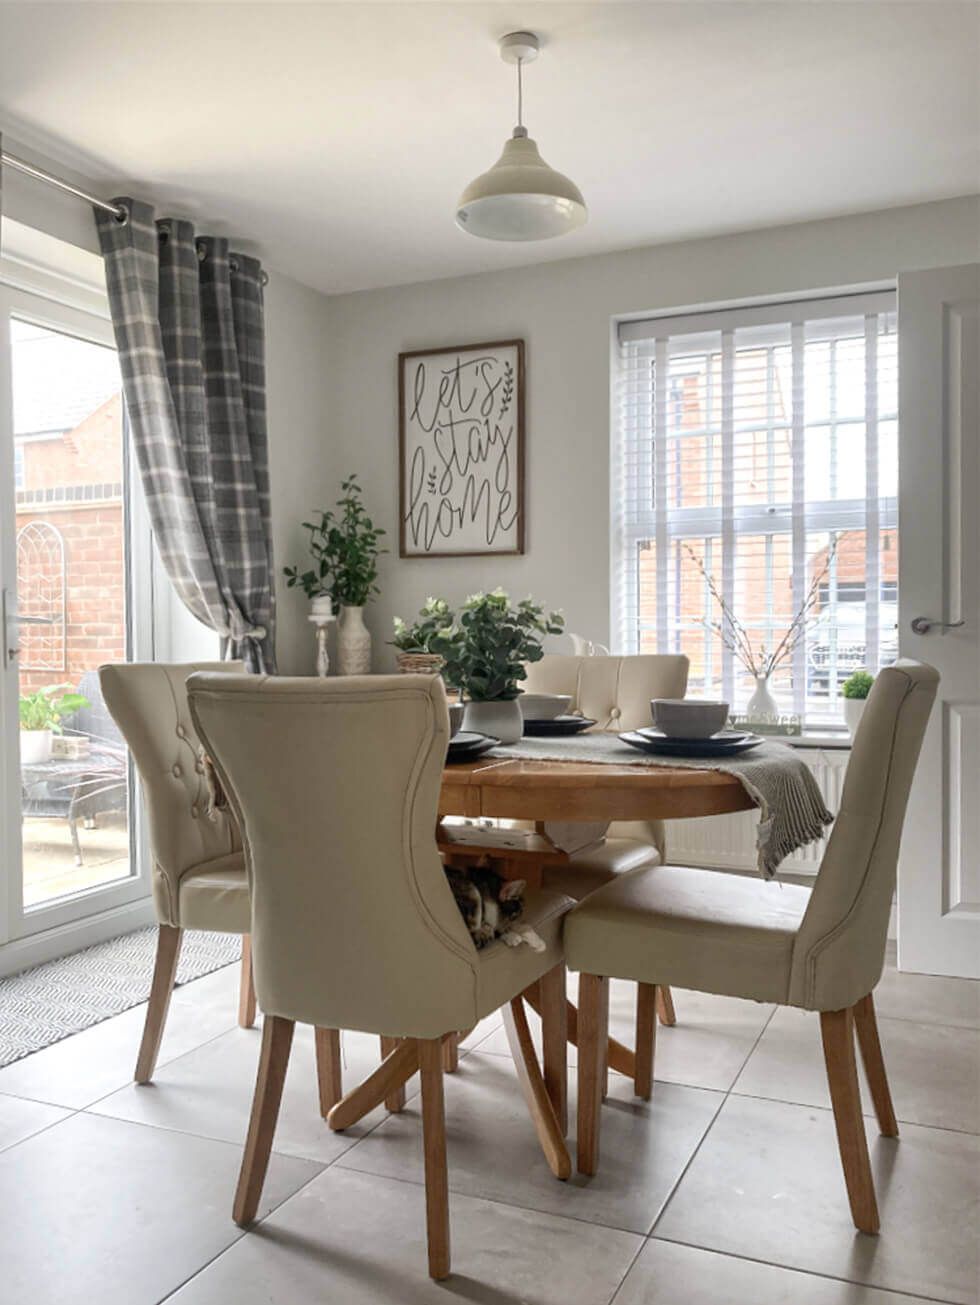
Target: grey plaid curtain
(188,322)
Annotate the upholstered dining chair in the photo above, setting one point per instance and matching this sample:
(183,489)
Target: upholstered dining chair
(335,784)
(820,950)
(197,866)
(615,692)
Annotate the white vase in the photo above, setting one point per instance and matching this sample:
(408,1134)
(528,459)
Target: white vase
(853,711)
(500,719)
(762,705)
(35,747)
(353,643)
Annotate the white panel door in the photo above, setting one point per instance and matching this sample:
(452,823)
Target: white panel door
(939,612)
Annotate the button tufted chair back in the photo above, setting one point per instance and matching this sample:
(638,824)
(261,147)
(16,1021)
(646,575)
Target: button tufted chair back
(615,692)
(148,701)
(336,784)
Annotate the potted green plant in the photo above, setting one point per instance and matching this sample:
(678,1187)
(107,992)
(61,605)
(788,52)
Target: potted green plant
(485,653)
(345,550)
(41,714)
(855,690)
(413,641)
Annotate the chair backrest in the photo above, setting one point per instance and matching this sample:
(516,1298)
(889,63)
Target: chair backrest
(336,783)
(613,691)
(148,701)
(840,947)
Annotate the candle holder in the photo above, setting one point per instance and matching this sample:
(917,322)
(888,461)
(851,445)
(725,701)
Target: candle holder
(321,616)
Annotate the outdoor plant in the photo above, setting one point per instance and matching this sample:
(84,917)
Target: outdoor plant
(345,552)
(435,617)
(486,649)
(43,709)
(857,685)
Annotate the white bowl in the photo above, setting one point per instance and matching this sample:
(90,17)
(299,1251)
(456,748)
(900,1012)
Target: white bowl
(544,706)
(688,718)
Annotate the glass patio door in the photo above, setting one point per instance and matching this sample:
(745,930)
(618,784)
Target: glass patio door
(70,847)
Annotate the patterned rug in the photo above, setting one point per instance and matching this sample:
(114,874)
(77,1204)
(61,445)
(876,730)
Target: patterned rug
(51,1001)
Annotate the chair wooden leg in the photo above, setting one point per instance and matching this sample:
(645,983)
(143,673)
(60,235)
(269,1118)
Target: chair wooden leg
(246,987)
(665,1006)
(329,1074)
(450,1053)
(393,1072)
(277,1038)
(593,1035)
(554,1036)
(866,1027)
(434,1145)
(837,1031)
(539,1106)
(395,1100)
(164,973)
(647,1005)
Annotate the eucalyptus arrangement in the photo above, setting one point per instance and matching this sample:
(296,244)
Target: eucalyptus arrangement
(434,617)
(484,652)
(345,549)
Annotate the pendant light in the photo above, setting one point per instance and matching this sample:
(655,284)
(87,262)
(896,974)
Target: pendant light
(520,198)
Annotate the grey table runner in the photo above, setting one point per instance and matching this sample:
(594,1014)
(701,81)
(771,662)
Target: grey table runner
(792,811)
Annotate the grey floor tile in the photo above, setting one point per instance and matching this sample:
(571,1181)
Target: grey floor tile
(494,1153)
(357,1239)
(209,1092)
(88,1065)
(933,1069)
(20,1118)
(927,998)
(95,1210)
(666,1273)
(766,1184)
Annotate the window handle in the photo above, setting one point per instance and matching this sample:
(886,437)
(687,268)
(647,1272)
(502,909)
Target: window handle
(925,625)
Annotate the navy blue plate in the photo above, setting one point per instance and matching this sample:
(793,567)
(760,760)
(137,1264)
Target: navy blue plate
(558,725)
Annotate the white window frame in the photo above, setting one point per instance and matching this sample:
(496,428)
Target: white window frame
(639,408)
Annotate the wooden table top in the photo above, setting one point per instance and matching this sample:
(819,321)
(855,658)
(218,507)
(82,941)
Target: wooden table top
(579,790)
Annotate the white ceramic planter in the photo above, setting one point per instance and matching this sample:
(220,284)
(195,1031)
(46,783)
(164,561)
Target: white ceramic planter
(353,643)
(853,711)
(35,747)
(500,719)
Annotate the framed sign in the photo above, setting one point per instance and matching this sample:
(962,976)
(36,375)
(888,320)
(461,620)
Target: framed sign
(461,450)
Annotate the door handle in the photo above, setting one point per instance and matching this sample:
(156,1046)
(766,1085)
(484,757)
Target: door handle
(925,625)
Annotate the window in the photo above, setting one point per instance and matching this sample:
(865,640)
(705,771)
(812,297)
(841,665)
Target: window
(756,456)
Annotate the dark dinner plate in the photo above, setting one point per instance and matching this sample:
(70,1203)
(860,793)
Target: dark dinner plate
(664,747)
(467,747)
(557,725)
(723,736)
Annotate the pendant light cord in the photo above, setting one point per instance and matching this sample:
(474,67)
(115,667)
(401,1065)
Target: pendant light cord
(520,93)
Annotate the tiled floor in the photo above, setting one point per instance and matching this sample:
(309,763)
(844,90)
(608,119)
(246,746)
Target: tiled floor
(725,1189)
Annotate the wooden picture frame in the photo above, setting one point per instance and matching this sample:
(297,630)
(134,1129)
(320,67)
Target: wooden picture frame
(461,439)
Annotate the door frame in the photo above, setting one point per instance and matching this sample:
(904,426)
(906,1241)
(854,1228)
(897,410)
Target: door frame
(17,927)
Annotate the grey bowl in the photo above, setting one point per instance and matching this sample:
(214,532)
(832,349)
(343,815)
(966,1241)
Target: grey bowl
(456,710)
(688,718)
(544,706)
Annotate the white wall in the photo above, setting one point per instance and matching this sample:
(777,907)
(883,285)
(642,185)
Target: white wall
(563,311)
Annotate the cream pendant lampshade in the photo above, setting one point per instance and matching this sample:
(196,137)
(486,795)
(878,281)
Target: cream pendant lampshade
(520,198)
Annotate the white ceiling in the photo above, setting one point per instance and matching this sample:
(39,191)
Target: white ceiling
(338,136)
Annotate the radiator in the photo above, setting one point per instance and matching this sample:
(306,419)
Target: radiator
(728,842)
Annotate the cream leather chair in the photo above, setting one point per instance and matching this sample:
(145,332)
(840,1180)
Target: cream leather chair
(820,949)
(615,692)
(198,869)
(335,784)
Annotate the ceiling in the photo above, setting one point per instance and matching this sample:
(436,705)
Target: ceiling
(335,138)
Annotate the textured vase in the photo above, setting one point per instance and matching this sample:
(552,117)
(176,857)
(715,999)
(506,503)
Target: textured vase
(500,719)
(762,705)
(353,643)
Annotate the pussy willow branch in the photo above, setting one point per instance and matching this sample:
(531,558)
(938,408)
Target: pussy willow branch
(734,635)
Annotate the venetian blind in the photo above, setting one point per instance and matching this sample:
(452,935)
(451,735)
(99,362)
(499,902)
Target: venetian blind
(756,455)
